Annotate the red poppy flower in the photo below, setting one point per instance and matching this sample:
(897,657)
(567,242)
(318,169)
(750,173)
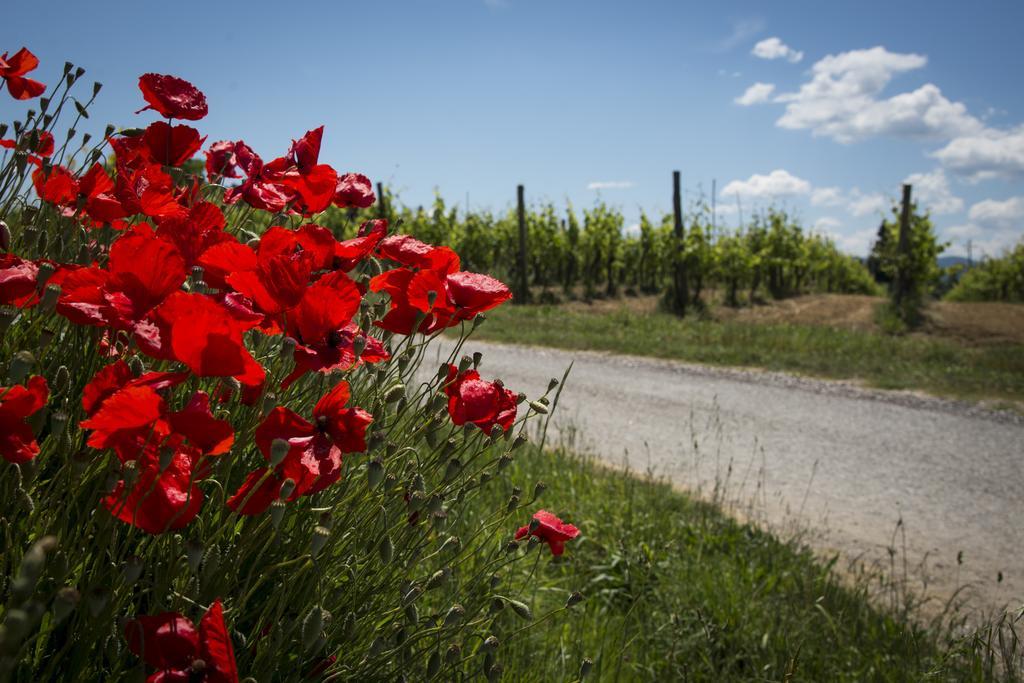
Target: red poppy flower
(111,378)
(55,185)
(224,258)
(44,147)
(349,253)
(485,404)
(204,335)
(314,458)
(551,530)
(172,97)
(148,190)
(354,190)
(201,228)
(409,251)
(196,423)
(473,293)
(164,496)
(285,261)
(171,644)
(326,306)
(17,440)
(171,145)
(221,160)
(97,189)
(142,271)
(17,280)
(13,70)
(256,191)
(336,352)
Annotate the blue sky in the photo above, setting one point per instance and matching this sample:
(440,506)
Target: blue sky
(824,108)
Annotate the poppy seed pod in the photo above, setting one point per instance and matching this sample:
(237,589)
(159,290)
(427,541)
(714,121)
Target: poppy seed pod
(575,598)
(452,469)
(278,451)
(437,579)
(269,403)
(494,673)
(539,407)
(312,627)
(453,654)
(5,237)
(477,359)
(287,488)
(319,540)
(49,298)
(504,461)
(358,345)
(538,489)
(518,442)
(491,643)
(61,380)
(136,366)
(464,364)
(479,320)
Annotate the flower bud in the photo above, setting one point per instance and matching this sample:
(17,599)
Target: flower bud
(454,615)
(518,441)
(130,473)
(497,431)
(575,598)
(477,358)
(386,549)
(504,461)
(394,393)
(46,271)
(312,627)
(538,489)
(61,380)
(5,237)
(374,472)
(358,345)
(452,469)
(277,508)
(433,664)
(585,667)
(479,320)
(49,299)
(278,451)
(454,654)
(511,547)
(491,643)
(464,363)
(319,540)
(20,366)
(438,579)
(520,608)
(287,488)
(452,544)
(442,371)
(539,407)
(288,349)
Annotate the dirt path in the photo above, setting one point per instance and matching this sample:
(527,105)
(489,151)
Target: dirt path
(843,462)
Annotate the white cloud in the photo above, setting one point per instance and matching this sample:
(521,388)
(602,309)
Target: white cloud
(631,230)
(994,226)
(827,196)
(999,213)
(759,92)
(778,183)
(985,154)
(773,48)
(863,204)
(933,193)
(842,100)
(610,185)
(827,224)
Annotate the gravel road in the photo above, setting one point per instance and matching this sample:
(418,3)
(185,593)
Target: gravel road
(837,462)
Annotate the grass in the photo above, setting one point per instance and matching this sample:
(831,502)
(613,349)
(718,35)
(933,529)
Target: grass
(675,590)
(940,366)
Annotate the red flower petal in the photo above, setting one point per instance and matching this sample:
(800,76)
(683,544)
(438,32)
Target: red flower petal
(173,97)
(354,190)
(215,646)
(197,424)
(164,641)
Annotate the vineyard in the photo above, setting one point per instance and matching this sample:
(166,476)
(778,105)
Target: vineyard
(589,254)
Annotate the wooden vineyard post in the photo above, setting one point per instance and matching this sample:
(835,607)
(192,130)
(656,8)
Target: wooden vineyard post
(382,209)
(903,284)
(678,293)
(522,294)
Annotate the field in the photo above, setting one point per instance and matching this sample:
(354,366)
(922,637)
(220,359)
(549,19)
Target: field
(969,351)
(678,591)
